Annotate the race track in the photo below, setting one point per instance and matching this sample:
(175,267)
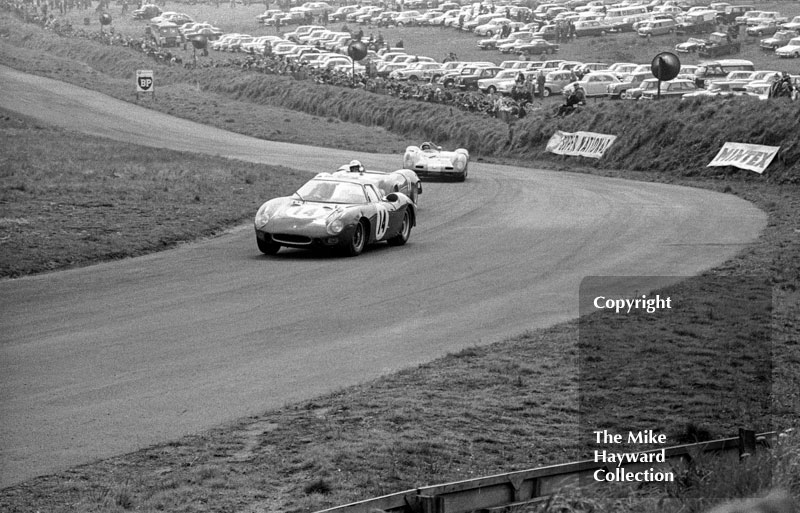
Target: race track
(103,360)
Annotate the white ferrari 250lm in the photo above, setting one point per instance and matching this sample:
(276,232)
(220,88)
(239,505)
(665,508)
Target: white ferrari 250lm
(428,160)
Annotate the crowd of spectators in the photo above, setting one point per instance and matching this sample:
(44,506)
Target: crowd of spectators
(521,102)
(472,101)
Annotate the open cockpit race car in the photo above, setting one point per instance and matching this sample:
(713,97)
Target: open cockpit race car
(345,210)
(428,160)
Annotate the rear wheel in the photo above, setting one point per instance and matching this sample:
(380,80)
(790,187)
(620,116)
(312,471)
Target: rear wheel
(546,92)
(492,89)
(405,231)
(357,241)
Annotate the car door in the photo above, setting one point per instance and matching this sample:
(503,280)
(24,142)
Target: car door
(387,219)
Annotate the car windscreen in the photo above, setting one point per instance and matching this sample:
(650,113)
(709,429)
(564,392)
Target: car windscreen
(326,191)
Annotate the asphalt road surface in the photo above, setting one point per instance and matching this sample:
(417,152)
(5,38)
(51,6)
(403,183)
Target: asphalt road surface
(107,359)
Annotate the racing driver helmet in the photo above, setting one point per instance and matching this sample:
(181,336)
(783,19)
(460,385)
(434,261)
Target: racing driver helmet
(356,167)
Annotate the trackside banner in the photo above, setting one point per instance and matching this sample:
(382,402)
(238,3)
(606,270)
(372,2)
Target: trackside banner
(754,157)
(583,144)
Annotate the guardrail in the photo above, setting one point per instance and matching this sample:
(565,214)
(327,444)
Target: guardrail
(526,486)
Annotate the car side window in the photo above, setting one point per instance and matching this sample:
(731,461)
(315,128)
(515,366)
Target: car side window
(372,194)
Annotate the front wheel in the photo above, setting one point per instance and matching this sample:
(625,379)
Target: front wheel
(405,231)
(492,89)
(357,241)
(546,92)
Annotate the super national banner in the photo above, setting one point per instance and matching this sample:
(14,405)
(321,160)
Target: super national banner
(754,157)
(583,144)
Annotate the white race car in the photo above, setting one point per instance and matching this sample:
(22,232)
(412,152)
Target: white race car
(429,160)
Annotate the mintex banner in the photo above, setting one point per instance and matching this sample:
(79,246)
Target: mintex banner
(583,144)
(745,156)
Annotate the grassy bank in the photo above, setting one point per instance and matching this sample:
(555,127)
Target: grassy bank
(69,199)
(652,135)
(507,406)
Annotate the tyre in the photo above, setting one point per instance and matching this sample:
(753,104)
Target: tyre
(413,78)
(463,178)
(267,246)
(357,240)
(492,89)
(546,92)
(489,33)
(405,231)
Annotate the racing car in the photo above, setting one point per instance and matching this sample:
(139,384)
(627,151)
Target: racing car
(345,210)
(402,180)
(428,159)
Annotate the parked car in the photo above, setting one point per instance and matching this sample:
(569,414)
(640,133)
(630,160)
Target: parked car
(657,27)
(302,30)
(719,88)
(719,44)
(712,71)
(630,81)
(510,43)
(746,16)
(341,12)
(426,71)
(767,16)
(759,90)
(691,45)
(556,81)
(490,85)
(406,18)
(146,12)
(492,27)
(794,24)
(791,49)
(765,28)
(732,12)
(676,88)
(596,84)
(778,39)
(313,8)
(164,34)
(537,47)
(469,80)
(591,28)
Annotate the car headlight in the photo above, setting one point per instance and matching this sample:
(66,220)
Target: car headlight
(262,217)
(460,162)
(335,226)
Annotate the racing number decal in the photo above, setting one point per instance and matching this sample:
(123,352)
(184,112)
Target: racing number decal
(381,221)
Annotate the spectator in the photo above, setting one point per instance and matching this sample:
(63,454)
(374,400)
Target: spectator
(574,98)
(540,81)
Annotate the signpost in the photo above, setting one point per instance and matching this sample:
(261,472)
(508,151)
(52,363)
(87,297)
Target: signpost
(144,82)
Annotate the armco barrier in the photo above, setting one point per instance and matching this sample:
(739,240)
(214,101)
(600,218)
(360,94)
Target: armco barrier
(525,486)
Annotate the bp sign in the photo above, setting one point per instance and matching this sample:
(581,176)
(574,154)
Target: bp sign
(144,81)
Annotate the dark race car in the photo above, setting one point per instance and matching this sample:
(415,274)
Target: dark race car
(346,210)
